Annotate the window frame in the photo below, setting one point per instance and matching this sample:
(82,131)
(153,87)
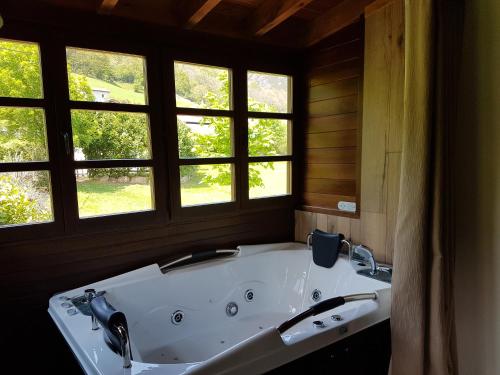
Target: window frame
(160,55)
(240,115)
(170,57)
(46,103)
(159,214)
(294,116)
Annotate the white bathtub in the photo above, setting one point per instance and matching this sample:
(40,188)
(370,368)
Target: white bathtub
(282,278)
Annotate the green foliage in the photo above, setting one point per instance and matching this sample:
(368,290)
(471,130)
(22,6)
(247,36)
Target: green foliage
(15,206)
(111,135)
(266,137)
(186,150)
(20,74)
(109,67)
(196,83)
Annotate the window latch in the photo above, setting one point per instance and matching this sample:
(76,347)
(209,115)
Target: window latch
(66,143)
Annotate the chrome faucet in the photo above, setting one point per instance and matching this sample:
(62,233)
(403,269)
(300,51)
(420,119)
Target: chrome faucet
(90,294)
(124,345)
(363,252)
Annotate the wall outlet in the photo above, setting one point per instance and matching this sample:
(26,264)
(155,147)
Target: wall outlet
(347,206)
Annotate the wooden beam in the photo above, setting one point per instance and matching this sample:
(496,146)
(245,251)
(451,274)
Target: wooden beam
(271,13)
(192,12)
(107,6)
(335,19)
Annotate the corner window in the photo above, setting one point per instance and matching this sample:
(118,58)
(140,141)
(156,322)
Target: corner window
(269,134)
(25,171)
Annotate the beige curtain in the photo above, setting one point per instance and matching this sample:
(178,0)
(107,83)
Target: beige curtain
(422,319)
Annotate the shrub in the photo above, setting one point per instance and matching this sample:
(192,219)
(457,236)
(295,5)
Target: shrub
(15,205)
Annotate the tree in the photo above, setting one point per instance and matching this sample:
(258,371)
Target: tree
(111,135)
(266,137)
(23,131)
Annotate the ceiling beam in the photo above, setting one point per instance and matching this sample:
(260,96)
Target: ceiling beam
(193,11)
(335,19)
(271,13)
(107,6)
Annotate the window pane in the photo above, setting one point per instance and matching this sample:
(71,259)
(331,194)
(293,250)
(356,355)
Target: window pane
(268,137)
(269,93)
(201,86)
(22,135)
(97,76)
(25,198)
(268,179)
(20,71)
(206,184)
(110,135)
(202,137)
(106,191)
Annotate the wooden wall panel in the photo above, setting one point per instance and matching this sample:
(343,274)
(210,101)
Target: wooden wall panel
(332,131)
(381,144)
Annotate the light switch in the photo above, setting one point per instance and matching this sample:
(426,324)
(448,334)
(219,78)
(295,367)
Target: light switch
(347,206)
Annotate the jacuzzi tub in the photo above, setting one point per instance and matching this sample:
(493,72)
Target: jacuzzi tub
(280,280)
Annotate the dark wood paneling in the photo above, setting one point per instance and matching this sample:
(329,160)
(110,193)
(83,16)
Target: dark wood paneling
(336,139)
(332,90)
(331,171)
(343,70)
(336,106)
(330,56)
(332,155)
(325,186)
(332,123)
(332,132)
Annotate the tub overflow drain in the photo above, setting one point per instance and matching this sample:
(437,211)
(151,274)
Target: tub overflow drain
(177,317)
(231,309)
(316,295)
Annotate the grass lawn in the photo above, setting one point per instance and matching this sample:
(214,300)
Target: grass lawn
(102,198)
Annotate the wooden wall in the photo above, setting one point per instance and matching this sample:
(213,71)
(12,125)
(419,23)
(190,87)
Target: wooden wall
(381,139)
(334,78)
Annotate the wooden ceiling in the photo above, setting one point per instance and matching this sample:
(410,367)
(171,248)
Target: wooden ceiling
(292,23)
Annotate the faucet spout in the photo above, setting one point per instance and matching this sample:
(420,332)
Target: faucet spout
(124,346)
(367,255)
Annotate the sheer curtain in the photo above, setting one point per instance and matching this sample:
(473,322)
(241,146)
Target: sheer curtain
(422,318)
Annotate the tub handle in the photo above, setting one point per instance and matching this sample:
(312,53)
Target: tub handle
(197,257)
(323,306)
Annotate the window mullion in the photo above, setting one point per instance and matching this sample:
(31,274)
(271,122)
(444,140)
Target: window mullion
(240,134)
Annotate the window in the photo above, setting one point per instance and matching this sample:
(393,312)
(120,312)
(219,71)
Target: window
(205,134)
(269,134)
(25,170)
(110,132)
(90,155)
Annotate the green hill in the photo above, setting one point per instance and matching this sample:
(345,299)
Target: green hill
(123,92)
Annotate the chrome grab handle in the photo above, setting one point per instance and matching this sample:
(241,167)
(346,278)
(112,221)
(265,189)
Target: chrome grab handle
(197,257)
(323,306)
